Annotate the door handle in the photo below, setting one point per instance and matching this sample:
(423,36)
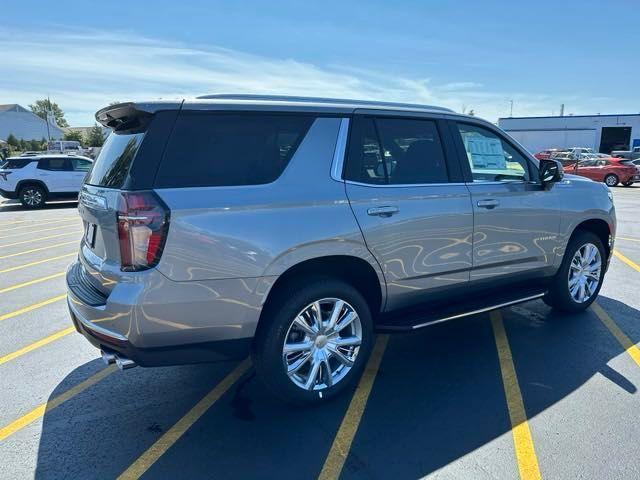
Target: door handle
(385,211)
(488,204)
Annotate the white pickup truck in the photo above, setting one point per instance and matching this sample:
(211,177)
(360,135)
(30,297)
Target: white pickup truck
(630,154)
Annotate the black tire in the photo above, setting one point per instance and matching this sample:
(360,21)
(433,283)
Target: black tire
(628,184)
(32,196)
(274,328)
(559,296)
(611,180)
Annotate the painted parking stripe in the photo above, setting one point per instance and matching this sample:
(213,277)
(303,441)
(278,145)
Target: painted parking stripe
(522,440)
(171,436)
(626,343)
(626,260)
(34,222)
(629,239)
(38,262)
(36,345)
(46,237)
(30,232)
(29,308)
(55,402)
(344,438)
(39,249)
(31,282)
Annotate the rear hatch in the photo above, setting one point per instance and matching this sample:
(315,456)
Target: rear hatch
(117,188)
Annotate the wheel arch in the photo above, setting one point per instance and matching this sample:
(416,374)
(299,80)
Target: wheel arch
(597,226)
(23,183)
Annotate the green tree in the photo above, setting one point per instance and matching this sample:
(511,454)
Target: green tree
(95,138)
(22,145)
(13,141)
(73,135)
(35,145)
(41,107)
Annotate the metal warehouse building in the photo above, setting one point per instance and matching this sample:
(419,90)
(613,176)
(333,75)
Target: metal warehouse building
(603,133)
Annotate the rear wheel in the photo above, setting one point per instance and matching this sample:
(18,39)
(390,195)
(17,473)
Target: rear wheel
(611,180)
(578,281)
(314,342)
(32,196)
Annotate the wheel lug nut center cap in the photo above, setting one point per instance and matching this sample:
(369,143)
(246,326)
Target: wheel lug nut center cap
(321,341)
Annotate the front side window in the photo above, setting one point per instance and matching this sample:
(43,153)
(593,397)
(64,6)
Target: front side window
(395,151)
(230,149)
(491,158)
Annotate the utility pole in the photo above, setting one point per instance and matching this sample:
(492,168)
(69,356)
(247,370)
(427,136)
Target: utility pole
(511,108)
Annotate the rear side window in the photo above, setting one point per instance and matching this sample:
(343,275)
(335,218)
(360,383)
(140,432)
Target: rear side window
(225,149)
(395,151)
(54,164)
(15,163)
(114,161)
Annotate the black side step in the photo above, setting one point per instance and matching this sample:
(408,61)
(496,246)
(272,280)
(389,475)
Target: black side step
(414,319)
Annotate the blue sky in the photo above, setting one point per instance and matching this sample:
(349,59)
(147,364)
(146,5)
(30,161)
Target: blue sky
(463,55)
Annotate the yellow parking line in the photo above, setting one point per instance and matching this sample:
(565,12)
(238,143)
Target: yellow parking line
(39,249)
(351,420)
(31,282)
(38,262)
(628,239)
(47,237)
(55,402)
(35,222)
(35,345)
(522,440)
(153,453)
(15,313)
(30,232)
(626,260)
(626,343)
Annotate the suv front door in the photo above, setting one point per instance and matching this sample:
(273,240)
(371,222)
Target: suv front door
(516,220)
(405,188)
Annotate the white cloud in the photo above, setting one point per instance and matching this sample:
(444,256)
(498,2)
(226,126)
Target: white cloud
(85,70)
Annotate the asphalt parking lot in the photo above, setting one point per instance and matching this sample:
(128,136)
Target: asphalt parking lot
(521,392)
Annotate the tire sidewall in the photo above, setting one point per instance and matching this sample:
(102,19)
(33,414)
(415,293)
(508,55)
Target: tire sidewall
(614,176)
(23,190)
(271,336)
(559,292)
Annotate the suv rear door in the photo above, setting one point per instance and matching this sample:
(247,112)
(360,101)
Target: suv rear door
(516,220)
(55,172)
(404,185)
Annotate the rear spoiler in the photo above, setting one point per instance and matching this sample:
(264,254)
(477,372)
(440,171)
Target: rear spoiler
(132,117)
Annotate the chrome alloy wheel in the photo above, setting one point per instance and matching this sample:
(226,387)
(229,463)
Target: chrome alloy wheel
(32,197)
(322,344)
(584,272)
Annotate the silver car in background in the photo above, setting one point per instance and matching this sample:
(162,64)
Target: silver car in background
(293,229)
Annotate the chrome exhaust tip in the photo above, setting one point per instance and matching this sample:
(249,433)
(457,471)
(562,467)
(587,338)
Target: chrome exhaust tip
(108,357)
(125,363)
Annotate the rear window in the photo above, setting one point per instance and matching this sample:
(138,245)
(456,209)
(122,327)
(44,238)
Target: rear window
(14,163)
(225,149)
(114,161)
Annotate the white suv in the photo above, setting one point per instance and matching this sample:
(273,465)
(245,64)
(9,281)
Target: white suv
(34,180)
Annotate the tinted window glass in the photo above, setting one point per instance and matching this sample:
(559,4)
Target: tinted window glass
(220,149)
(490,157)
(114,161)
(15,163)
(80,165)
(55,164)
(396,152)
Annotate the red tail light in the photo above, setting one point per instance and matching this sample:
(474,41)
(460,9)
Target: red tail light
(143,224)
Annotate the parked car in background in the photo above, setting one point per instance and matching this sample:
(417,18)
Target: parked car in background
(611,171)
(35,179)
(293,228)
(547,153)
(629,154)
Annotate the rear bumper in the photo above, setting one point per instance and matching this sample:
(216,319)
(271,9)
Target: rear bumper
(155,321)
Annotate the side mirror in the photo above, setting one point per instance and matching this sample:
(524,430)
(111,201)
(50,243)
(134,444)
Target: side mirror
(550,172)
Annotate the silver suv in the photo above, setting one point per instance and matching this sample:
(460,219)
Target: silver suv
(294,228)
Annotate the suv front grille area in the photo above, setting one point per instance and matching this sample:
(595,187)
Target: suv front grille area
(82,288)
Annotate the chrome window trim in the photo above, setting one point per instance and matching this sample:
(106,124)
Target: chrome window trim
(406,185)
(340,151)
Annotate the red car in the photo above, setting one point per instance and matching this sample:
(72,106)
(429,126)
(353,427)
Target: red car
(608,170)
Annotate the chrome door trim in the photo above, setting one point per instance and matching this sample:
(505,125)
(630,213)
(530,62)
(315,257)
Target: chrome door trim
(405,185)
(340,151)
(480,310)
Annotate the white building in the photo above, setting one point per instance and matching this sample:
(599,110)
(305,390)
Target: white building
(603,133)
(25,125)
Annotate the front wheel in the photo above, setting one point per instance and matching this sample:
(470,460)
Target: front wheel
(579,279)
(314,342)
(611,180)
